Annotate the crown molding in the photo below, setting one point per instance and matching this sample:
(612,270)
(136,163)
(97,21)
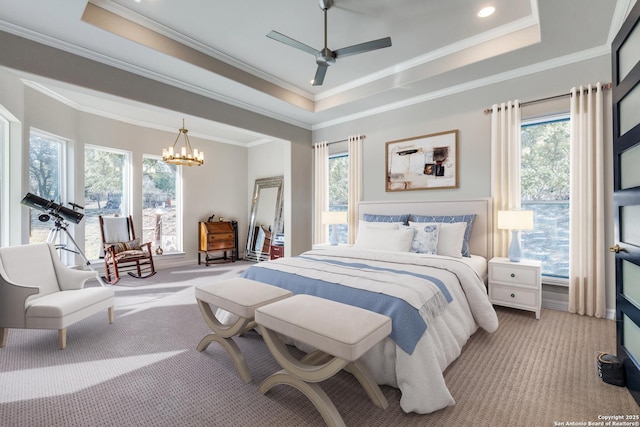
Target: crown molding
(474,84)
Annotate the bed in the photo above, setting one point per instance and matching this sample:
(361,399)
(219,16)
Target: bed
(436,301)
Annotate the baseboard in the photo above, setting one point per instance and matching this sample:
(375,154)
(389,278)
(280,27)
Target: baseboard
(554,304)
(557,301)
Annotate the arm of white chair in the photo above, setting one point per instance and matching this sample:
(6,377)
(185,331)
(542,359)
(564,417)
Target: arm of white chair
(13,301)
(69,278)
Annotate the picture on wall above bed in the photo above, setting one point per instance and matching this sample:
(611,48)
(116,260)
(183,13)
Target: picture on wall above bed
(424,162)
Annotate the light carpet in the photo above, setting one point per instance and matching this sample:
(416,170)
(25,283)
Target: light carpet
(144,370)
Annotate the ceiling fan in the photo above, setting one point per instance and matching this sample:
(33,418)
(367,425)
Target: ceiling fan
(326,57)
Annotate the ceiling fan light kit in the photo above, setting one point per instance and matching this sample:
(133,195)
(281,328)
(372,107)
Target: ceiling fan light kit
(327,57)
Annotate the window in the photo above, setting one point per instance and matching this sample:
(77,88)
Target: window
(161,222)
(106,183)
(545,189)
(339,191)
(46,179)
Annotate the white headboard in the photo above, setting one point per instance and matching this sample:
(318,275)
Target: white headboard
(481,240)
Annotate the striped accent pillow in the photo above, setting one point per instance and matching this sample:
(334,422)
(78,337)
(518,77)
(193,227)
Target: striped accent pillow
(126,246)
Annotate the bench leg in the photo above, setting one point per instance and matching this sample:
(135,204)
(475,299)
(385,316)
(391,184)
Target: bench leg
(358,370)
(62,338)
(308,372)
(313,391)
(365,379)
(234,352)
(314,367)
(222,334)
(4,334)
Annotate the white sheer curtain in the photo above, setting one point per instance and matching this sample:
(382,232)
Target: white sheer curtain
(355,183)
(505,167)
(587,247)
(321,191)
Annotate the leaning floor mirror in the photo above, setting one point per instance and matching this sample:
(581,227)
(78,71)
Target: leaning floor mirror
(265,220)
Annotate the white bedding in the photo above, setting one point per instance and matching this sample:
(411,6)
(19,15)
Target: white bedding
(479,264)
(419,375)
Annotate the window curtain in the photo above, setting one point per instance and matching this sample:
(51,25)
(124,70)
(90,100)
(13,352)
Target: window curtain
(587,246)
(321,191)
(505,167)
(355,184)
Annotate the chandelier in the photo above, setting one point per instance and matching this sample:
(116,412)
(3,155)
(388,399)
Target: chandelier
(186,156)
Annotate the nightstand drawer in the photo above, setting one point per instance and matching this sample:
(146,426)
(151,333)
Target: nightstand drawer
(509,296)
(515,275)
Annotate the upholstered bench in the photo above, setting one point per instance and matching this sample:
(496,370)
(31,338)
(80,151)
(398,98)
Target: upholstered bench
(339,333)
(239,297)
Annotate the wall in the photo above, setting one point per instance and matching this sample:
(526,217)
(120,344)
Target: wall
(219,186)
(464,111)
(293,161)
(17,53)
(264,161)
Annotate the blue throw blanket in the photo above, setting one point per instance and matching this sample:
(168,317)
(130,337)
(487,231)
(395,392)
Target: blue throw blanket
(409,298)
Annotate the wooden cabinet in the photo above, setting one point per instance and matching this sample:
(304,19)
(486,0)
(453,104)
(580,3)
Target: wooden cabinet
(218,237)
(276,251)
(516,284)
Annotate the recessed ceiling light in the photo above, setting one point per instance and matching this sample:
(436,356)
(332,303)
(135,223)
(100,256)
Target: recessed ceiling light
(487,11)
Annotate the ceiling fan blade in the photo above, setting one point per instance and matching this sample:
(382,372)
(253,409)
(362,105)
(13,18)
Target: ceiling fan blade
(319,77)
(363,47)
(291,42)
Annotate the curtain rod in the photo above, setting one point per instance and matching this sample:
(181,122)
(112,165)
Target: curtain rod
(549,98)
(340,140)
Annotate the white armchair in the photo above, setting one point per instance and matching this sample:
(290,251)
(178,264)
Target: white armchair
(37,291)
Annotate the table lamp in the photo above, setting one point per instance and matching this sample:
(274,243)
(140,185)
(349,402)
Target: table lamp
(515,220)
(334,218)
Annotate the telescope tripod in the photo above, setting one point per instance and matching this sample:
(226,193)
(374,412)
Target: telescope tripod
(54,233)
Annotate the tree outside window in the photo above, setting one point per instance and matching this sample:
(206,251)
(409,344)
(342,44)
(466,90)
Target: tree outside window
(339,191)
(160,202)
(106,175)
(545,189)
(46,156)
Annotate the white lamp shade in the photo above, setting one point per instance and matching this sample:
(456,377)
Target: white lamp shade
(515,220)
(334,217)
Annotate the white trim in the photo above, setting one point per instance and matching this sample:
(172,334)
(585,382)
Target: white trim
(474,84)
(187,41)
(620,13)
(451,49)
(144,72)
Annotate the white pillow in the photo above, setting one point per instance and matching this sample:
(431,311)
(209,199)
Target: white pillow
(367,224)
(372,224)
(450,237)
(425,240)
(385,239)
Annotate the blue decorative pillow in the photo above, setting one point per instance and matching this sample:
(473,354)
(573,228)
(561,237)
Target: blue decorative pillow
(386,218)
(450,219)
(425,240)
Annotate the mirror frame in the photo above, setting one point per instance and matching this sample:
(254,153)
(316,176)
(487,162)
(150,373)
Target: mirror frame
(278,224)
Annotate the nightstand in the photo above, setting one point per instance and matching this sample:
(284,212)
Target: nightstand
(516,284)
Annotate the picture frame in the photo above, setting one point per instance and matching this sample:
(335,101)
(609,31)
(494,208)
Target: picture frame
(425,162)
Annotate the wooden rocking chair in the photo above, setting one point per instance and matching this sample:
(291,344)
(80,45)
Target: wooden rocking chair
(123,251)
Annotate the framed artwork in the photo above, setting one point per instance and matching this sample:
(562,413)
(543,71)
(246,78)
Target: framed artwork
(425,162)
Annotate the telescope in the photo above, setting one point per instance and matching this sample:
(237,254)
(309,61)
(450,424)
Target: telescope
(52,209)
